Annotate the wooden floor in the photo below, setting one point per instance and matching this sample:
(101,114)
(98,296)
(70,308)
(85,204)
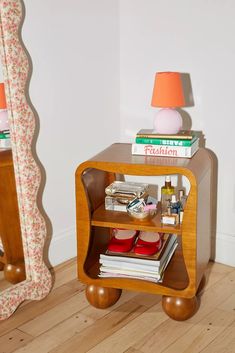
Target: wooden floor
(64,322)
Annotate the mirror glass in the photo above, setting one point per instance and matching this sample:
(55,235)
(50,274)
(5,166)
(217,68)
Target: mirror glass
(12,268)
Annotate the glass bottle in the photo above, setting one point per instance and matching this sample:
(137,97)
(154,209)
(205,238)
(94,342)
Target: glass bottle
(166,192)
(182,200)
(175,205)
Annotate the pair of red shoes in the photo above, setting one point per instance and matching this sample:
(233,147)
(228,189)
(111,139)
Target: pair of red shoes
(124,240)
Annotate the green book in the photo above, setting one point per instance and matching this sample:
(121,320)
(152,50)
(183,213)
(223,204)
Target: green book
(165,142)
(4,136)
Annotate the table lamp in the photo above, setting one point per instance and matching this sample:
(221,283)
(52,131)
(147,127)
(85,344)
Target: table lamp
(168,94)
(4,123)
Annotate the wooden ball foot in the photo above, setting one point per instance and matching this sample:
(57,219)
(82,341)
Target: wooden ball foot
(102,297)
(179,309)
(14,273)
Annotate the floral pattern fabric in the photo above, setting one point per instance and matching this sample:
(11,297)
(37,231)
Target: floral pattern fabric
(15,65)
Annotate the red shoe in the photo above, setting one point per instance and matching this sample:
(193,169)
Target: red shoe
(122,240)
(148,243)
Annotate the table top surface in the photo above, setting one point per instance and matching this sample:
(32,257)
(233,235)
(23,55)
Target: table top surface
(121,153)
(118,158)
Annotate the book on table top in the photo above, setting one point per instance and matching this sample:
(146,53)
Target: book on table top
(165,151)
(5,143)
(130,257)
(4,134)
(165,142)
(181,135)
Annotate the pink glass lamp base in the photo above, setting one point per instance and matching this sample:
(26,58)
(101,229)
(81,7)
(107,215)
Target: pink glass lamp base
(168,121)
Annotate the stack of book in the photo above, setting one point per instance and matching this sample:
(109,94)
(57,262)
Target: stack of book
(183,144)
(131,265)
(5,140)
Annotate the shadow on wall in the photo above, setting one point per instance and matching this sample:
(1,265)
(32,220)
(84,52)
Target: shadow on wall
(214,190)
(187,125)
(49,229)
(189,101)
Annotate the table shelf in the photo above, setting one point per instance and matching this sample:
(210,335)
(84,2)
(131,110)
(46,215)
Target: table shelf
(186,269)
(115,219)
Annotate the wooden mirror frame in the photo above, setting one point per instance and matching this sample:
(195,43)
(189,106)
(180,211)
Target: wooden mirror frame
(15,66)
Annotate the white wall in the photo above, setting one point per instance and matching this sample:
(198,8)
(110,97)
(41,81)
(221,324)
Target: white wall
(76,46)
(75,90)
(195,37)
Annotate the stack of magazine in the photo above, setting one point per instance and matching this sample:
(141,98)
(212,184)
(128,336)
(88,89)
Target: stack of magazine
(149,143)
(5,140)
(131,265)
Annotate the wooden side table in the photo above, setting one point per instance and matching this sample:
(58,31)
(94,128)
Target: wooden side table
(185,272)
(11,254)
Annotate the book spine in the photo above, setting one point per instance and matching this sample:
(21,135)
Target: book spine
(164,151)
(151,135)
(129,259)
(129,272)
(130,266)
(115,275)
(164,142)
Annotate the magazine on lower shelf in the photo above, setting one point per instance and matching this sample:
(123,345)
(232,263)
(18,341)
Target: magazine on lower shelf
(143,268)
(154,260)
(156,276)
(143,278)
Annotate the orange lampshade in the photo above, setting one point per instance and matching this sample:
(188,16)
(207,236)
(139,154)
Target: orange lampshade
(168,90)
(3,103)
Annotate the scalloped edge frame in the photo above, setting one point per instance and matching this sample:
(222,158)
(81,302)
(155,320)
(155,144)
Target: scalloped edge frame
(22,125)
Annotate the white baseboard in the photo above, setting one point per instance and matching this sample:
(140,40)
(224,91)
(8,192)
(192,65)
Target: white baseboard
(63,246)
(225,249)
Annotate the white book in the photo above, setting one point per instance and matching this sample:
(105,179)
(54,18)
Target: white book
(129,265)
(165,151)
(113,275)
(5,143)
(129,272)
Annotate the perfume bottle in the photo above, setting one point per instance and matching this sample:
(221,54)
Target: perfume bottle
(175,205)
(170,218)
(182,200)
(166,192)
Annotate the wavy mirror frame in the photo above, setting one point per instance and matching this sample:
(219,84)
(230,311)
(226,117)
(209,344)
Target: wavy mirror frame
(22,126)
